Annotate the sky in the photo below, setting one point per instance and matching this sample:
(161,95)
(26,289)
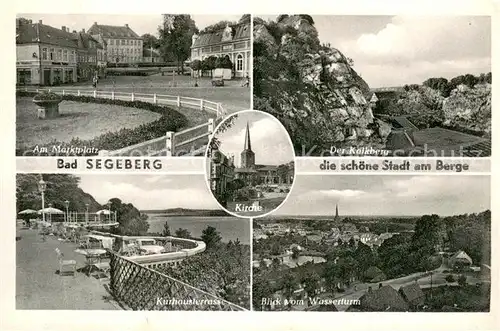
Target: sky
(269,139)
(140,24)
(151,191)
(397,50)
(387,195)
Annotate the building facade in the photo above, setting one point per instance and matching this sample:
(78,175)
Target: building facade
(221,175)
(260,174)
(233,41)
(45,55)
(123,45)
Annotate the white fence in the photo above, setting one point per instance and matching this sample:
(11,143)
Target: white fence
(190,142)
(164,99)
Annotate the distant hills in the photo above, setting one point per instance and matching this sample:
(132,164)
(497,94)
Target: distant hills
(186,212)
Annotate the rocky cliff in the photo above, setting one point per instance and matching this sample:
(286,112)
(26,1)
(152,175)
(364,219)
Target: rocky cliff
(469,108)
(311,88)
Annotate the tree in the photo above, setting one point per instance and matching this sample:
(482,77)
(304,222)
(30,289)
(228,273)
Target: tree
(149,41)
(245,18)
(311,280)
(166,230)
(261,289)
(223,62)
(176,37)
(295,253)
(289,284)
(182,233)
(218,26)
(210,236)
(365,258)
(462,280)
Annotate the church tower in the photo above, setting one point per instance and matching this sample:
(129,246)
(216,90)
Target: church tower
(247,155)
(336,212)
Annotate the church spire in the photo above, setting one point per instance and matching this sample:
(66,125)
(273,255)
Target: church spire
(336,211)
(248,144)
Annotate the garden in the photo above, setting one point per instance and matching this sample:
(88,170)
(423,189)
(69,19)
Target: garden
(98,124)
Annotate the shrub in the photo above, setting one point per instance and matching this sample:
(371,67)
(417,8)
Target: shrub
(450,278)
(462,280)
(170,120)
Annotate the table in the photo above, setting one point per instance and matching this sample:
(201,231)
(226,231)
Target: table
(93,258)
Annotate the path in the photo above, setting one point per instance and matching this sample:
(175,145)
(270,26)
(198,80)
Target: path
(39,287)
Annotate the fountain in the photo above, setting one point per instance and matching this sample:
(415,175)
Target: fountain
(48,104)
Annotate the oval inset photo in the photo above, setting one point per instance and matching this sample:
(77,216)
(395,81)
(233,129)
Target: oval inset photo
(250,168)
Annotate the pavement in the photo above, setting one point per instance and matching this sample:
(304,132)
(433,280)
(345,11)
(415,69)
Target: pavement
(38,284)
(232,95)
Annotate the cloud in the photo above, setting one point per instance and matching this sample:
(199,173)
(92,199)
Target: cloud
(269,139)
(342,193)
(418,48)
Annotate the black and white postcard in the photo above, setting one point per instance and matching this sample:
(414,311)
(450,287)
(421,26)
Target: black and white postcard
(129,85)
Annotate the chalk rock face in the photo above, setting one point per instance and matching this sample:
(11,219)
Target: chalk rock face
(317,95)
(469,108)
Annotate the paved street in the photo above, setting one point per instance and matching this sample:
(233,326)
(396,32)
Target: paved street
(232,95)
(39,287)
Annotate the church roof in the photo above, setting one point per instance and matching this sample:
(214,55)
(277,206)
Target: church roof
(248,143)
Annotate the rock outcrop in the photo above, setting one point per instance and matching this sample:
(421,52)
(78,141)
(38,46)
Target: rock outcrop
(469,108)
(312,88)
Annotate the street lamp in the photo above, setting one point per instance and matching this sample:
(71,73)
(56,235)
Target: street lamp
(42,186)
(66,203)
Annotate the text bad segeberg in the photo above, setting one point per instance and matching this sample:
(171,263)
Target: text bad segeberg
(111,164)
(390,165)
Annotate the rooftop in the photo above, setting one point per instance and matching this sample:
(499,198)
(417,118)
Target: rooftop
(241,31)
(113,31)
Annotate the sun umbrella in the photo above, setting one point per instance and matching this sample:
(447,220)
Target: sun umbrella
(50,210)
(103,211)
(27,211)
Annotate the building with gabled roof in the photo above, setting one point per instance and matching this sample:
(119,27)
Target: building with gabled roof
(123,44)
(384,298)
(233,41)
(45,55)
(460,259)
(413,295)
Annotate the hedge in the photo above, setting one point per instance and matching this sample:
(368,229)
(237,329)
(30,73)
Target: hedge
(170,120)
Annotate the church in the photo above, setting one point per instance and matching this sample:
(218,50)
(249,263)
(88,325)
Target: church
(259,174)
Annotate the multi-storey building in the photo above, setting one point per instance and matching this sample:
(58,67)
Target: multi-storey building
(87,62)
(44,55)
(123,45)
(233,41)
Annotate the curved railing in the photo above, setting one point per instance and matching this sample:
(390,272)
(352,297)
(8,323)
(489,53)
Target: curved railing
(189,142)
(188,247)
(138,287)
(154,98)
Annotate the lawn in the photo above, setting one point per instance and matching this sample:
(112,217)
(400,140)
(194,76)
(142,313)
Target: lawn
(82,120)
(232,96)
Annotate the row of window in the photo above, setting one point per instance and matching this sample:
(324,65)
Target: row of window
(120,58)
(124,42)
(64,55)
(58,55)
(123,51)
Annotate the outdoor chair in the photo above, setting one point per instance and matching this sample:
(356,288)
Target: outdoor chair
(65,263)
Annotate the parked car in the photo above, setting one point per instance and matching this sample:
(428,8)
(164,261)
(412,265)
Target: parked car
(218,81)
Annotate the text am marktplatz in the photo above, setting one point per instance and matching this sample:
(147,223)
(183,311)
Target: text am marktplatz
(388,165)
(111,164)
